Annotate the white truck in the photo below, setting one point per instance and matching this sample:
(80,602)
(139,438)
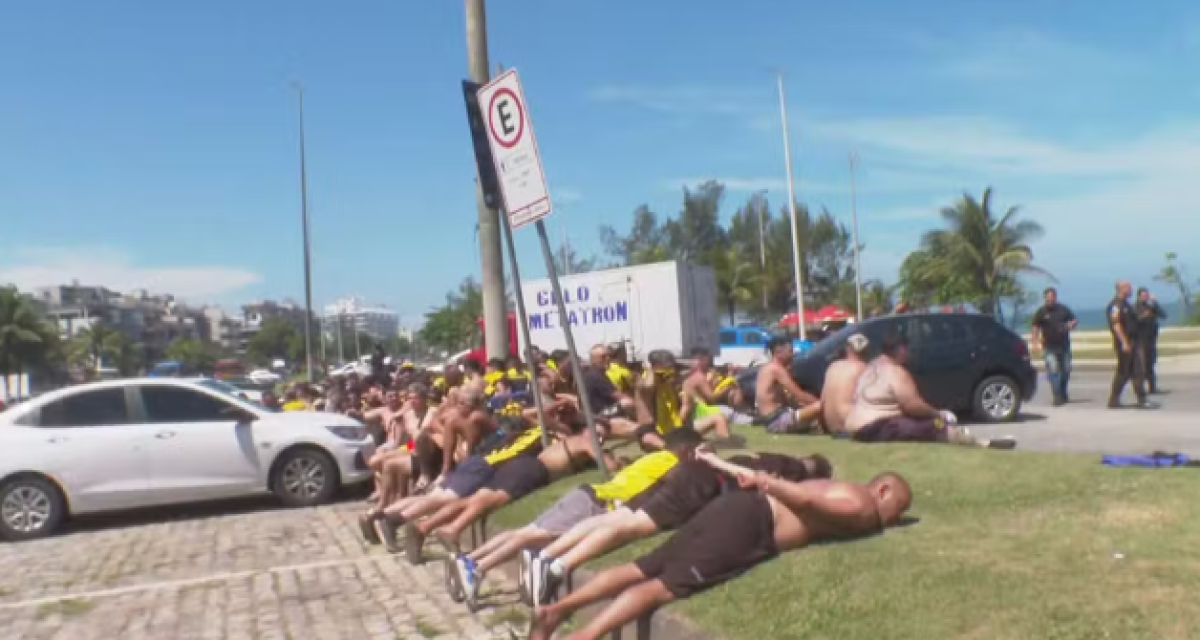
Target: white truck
(665,305)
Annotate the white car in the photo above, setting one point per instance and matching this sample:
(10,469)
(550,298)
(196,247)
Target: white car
(263,376)
(125,444)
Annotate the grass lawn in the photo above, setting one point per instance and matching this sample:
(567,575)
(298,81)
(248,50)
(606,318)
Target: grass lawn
(1008,545)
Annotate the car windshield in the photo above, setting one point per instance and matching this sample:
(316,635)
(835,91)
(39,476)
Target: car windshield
(222,387)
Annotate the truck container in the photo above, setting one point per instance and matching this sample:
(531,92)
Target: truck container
(665,305)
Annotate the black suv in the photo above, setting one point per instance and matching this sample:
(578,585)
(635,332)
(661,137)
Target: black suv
(967,363)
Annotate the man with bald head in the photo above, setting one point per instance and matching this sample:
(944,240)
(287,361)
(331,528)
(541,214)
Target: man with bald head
(1122,324)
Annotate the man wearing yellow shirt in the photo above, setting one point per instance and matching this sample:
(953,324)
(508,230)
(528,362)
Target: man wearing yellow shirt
(618,369)
(659,402)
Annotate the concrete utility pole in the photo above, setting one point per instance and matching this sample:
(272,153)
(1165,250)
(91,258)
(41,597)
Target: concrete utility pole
(762,244)
(491,257)
(857,263)
(308,312)
(787,161)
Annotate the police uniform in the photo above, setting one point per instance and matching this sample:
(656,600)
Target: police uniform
(1122,314)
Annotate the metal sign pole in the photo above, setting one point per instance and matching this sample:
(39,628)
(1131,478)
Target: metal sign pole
(530,365)
(576,369)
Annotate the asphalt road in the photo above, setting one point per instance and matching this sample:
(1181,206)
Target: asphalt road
(1086,425)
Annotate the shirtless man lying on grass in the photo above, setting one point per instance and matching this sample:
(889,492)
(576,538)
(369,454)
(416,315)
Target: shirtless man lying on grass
(685,492)
(631,486)
(730,536)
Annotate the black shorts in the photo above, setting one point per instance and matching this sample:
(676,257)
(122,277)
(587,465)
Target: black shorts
(427,457)
(520,477)
(730,536)
(469,476)
(685,492)
(902,429)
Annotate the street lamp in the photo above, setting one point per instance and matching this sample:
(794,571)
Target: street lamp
(854,218)
(307,247)
(787,161)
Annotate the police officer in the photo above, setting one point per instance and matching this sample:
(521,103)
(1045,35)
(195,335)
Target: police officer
(1149,316)
(1122,324)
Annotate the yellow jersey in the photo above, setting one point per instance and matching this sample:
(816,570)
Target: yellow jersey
(631,481)
(667,416)
(524,443)
(295,405)
(490,380)
(621,377)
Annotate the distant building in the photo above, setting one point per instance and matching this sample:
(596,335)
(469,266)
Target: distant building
(355,314)
(152,321)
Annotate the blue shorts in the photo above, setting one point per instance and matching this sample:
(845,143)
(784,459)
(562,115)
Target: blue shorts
(469,476)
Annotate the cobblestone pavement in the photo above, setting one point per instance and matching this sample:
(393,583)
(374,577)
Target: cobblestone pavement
(267,574)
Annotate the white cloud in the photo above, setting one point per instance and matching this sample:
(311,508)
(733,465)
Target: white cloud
(117,270)
(1024,55)
(566,196)
(731,184)
(676,100)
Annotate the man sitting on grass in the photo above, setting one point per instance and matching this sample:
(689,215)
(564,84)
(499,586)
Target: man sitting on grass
(841,379)
(730,536)
(889,408)
(629,488)
(684,492)
(776,393)
(511,482)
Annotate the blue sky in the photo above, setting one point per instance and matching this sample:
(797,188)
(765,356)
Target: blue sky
(154,144)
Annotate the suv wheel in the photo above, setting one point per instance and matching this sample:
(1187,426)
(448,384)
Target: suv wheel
(305,478)
(997,399)
(30,507)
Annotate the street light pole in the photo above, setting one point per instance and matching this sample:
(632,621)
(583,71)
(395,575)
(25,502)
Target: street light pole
(787,161)
(762,245)
(854,218)
(491,258)
(307,248)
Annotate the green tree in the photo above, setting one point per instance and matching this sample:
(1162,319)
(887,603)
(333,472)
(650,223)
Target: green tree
(99,344)
(276,339)
(736,280)
(876,298)
(737,252)
(196,355)
(1175,274)
(25,339)
(982,249)
(454,325)
(568,262)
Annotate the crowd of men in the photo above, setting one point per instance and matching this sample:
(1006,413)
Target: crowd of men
(459,444)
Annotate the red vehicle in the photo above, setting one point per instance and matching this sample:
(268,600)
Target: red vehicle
(479,354)
(229,368)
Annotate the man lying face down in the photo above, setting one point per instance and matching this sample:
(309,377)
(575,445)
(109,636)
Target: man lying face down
(683,493)
(731,535)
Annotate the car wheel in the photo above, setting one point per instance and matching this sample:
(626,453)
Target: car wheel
(305,478)
(997,399)
(30,507)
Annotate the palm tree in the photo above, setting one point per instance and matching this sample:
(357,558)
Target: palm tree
(23,336)
(984,249)
(93,344)
(736,280)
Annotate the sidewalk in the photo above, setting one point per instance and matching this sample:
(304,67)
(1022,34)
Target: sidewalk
(1090,429)
(1186,364)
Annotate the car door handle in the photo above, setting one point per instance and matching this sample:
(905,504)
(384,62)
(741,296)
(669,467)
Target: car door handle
(164,435)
